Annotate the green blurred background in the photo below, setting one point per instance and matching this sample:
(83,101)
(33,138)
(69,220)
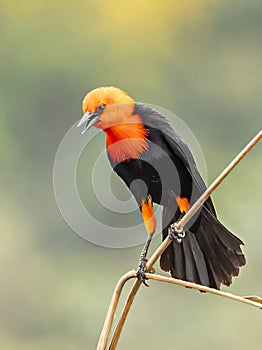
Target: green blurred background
(199,59)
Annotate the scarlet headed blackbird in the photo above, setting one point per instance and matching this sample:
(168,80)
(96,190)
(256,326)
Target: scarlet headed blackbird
(141,145)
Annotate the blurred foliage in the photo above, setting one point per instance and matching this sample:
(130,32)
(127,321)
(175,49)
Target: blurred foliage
(199,59)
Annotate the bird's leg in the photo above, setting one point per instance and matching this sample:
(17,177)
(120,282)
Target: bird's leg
(140,274)
(175,233)
(148,216)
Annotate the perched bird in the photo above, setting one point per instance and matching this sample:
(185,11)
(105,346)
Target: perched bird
(141,145)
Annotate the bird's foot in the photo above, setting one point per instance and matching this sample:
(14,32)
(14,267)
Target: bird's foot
(140,273)
(175,233)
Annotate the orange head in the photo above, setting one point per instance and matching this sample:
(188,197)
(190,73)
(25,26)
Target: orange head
(112,110)
(106,96)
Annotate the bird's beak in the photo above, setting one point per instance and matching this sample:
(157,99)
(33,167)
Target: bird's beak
(90,119)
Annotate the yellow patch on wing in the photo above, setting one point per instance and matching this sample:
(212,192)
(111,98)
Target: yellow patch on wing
(183,204)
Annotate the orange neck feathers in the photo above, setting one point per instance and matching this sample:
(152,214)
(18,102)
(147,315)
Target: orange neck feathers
(125,132)
(126,135)
(126,140)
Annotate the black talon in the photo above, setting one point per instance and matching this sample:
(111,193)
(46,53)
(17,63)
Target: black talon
(174,233)
(140,274)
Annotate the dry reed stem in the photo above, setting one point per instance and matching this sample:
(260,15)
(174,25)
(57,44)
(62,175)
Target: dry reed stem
(112,309)
(249,300)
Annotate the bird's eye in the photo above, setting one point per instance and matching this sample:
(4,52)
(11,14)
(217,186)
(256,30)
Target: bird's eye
(101,108)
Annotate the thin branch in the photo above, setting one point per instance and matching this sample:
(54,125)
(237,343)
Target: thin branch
(250,300)
(133,292)
(110,314)
(112,309)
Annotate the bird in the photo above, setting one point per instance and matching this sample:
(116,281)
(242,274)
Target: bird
(158,168)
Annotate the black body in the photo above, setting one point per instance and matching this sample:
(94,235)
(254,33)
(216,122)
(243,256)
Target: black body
(209,254)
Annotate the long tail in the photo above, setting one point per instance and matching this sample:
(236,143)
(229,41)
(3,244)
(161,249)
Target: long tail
(211,255)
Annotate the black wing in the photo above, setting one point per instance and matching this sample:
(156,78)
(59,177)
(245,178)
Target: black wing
(176,145)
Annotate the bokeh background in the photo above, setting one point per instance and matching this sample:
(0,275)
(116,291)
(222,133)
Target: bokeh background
(199,59)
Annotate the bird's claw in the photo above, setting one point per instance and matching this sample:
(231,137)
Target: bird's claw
(175,233)
(140,273)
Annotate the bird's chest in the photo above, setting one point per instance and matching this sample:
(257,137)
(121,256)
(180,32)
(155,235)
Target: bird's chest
(125,141)
(141,178)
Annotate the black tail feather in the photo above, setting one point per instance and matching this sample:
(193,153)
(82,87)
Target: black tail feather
(209,255)
(199,259)
(179,270)
(190,263)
